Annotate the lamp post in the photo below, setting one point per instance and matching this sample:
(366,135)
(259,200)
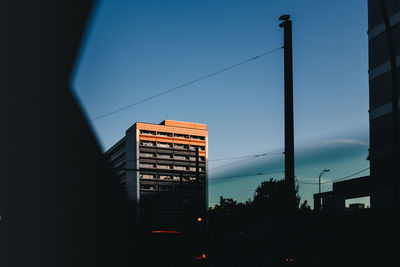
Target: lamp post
(319,179)
(319,186)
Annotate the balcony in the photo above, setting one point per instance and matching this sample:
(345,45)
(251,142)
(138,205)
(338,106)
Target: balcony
(164,167)
(196,137)
(147,132)
(147,155)
(147,166)
(183,136)
(180,157)
(164,156)
(180,168)
(164,134)
(144,143)
(164,145)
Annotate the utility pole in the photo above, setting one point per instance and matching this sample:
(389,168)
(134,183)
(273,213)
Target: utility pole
(289,128)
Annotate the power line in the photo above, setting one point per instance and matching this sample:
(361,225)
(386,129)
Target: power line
(186,84)
(241,157)
(231,158)
(249,158)
(250,174)
(336,180)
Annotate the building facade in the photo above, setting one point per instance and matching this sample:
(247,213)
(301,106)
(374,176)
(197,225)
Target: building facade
(163,169)
(380,92)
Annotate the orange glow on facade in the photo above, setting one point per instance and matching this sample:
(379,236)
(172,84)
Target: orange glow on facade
(163,165)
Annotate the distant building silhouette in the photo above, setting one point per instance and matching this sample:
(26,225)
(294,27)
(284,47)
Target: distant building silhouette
(356,206)
(164,176)
(353,188)
(380,92)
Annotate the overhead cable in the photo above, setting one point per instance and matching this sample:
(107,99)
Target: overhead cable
(185,84)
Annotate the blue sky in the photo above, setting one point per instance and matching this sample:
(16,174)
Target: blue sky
(135,49)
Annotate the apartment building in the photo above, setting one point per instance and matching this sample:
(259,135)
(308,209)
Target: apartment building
(163,169)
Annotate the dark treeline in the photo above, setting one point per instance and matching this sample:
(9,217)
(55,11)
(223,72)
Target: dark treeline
(270,205)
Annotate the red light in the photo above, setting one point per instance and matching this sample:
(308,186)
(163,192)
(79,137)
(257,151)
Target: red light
(290,259)
(165,232)
(202,257)
(199,219)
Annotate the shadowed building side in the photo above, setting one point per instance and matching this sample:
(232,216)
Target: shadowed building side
(60,204)
(380,101)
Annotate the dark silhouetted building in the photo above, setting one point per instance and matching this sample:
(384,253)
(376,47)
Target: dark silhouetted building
(356,206)
(341,191)
(380,185)
(380,92)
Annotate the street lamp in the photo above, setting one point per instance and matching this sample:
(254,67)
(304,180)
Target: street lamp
(319,185)
(319,179)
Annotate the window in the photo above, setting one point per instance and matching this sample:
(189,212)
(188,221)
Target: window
(164,134)
(201,148)
(147,155)
(147,132)
(147,143)
(182,136)
(164,144)
(165,156)
(147,176)
(147,165)
(178,146)
(147,187)
(196,137)
(164,166)
(166,188)
(180,157)
(165,177)
(180,168)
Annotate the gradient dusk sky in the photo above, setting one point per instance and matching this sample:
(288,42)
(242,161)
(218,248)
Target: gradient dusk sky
(136,49)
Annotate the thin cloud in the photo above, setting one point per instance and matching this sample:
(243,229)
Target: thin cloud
(344,141)
(314,180)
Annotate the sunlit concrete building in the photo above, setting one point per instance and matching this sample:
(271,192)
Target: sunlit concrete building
(163,168)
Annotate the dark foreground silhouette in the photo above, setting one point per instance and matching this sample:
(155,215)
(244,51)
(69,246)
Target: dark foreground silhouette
(60,204)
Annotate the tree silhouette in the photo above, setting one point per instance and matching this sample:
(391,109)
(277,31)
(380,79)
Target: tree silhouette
(273,197)
(305,208)
(272,202)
